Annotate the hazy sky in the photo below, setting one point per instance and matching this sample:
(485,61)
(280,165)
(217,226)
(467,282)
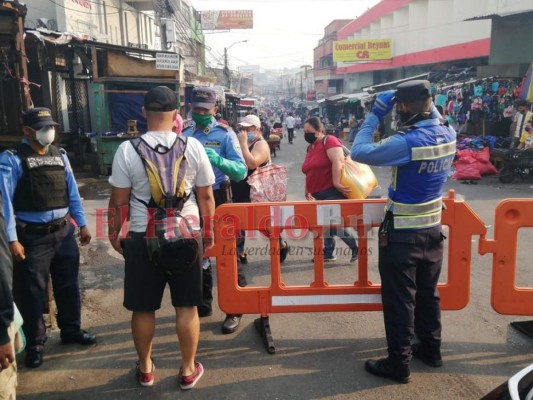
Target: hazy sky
(285,31)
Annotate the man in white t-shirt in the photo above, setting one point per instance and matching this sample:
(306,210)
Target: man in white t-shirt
(143,284)
(291,121)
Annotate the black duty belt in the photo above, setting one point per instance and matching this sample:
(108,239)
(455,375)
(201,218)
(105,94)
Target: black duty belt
(43,229)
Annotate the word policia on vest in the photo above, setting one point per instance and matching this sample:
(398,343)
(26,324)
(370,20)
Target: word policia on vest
(432,167)
(37,162)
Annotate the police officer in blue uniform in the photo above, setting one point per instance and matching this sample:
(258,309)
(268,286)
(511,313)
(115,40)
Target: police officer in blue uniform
(410,238)
(40,194)
(224,152)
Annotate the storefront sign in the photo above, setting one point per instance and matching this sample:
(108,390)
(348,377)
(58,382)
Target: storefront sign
(227,19)
(362,50)
(167,61)
(332,90)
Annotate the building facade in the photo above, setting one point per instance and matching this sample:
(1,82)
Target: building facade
(427,35)
(326,79)
(172,25)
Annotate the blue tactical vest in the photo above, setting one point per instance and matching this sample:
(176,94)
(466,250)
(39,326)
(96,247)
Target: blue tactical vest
(415,194)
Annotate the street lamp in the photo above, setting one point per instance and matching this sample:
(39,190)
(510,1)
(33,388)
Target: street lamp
(226,68)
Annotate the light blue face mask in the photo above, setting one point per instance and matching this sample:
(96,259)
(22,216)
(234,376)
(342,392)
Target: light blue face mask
(251,136)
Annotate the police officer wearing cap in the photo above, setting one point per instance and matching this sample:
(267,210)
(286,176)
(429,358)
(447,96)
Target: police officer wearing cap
(40,195)
(224,153)
(410,238)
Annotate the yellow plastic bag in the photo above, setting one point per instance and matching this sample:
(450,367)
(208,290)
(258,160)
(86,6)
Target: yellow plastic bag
(358,177)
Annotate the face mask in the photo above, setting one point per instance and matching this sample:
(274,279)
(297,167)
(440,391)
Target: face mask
(202,120)
(251,136)
(405,116)
(310,137)
(45,136)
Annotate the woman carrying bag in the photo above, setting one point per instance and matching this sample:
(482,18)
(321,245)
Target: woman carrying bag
(322,168)
(256,153)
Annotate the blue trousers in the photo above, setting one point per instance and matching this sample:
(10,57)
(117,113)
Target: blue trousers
(409,266)
(56,255)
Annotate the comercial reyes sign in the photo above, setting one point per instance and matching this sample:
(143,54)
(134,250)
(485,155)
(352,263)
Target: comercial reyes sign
(362,50)
(227,19)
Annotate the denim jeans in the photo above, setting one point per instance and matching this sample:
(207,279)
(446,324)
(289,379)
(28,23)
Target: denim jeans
(347,235)
(353,132)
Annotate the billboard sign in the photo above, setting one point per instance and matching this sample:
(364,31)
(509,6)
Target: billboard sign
(227,19)
(362,50)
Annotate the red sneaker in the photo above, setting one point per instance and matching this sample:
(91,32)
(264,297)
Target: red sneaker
(145,378)
(188,382)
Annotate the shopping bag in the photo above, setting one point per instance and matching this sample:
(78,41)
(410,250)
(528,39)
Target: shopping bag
(268,184)
(358,177)
(20,338)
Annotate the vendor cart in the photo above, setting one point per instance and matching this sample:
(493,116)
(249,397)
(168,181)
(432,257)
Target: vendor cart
(274,140)
(517,162)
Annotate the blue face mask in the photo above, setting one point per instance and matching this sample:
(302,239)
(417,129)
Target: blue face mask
(251,136)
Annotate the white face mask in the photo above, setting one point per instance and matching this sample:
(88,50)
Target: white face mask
(46,135)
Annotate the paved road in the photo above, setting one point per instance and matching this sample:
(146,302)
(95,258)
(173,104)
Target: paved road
(319,356)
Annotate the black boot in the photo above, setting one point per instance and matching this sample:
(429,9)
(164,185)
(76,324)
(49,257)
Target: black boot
(34,356)
(429,355)
(384,368)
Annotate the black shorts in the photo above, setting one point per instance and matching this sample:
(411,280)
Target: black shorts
(144,286)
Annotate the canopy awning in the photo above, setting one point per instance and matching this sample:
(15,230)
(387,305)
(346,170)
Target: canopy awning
(356,97)
(393,83)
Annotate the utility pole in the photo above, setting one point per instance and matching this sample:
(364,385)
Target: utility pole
(227,72)
(301,88)
(305,67)
(226,68)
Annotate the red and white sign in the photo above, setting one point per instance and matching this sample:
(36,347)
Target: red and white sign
(84,3)
(227,19)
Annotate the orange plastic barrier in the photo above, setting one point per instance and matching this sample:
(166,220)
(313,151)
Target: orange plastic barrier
(506,297)
(319,296)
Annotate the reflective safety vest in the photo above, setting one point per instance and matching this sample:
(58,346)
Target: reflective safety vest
(415,194)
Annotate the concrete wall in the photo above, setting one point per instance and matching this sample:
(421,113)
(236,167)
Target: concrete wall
(511,43)
(355,82)
(42,9)
(100,20)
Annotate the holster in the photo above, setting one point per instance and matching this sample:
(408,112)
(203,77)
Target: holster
(223,194)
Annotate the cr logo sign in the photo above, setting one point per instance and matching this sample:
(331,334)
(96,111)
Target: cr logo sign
(362,54)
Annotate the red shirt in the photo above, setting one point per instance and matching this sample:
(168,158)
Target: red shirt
(317,166)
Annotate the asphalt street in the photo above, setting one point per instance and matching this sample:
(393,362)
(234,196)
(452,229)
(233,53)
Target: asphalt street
(318,355)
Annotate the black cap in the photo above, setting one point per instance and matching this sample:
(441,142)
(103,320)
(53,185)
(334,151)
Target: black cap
(411,91)
(160,99)
(203,97)
(38,117)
